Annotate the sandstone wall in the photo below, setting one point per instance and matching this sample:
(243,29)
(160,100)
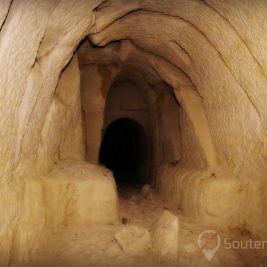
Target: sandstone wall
(216,50)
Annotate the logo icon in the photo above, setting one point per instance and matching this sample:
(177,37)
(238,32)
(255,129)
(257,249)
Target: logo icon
(209,242)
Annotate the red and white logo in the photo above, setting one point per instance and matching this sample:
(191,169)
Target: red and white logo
(209,242)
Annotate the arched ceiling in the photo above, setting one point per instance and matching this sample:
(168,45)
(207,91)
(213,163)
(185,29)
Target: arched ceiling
(206,43)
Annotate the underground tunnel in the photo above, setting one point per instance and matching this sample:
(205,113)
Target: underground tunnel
(133,133)
(124,150)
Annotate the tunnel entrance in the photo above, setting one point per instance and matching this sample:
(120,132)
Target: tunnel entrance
(124,150)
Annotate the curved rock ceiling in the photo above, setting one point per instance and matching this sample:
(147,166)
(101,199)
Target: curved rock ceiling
(210,54)
(207,42)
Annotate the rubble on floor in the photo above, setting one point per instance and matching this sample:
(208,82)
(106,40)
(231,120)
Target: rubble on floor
(165,237)
(134,240)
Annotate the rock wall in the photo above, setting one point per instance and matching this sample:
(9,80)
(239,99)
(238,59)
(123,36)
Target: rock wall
(40,108)
(212,54)
(216,50)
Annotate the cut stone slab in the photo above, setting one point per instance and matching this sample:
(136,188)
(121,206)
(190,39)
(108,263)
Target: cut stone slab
(134,240)
(78,192)
(165,238)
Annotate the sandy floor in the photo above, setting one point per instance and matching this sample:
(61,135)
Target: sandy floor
(84,246)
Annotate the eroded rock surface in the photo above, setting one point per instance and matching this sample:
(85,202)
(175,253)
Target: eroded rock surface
(134,240)
(193,74)
(166,234)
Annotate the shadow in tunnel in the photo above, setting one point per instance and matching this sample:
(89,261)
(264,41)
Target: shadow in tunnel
(124,150)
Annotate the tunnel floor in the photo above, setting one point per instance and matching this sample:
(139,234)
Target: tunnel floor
(84,246)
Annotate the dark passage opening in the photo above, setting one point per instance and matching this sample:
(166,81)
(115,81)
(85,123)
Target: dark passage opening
(124,150)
